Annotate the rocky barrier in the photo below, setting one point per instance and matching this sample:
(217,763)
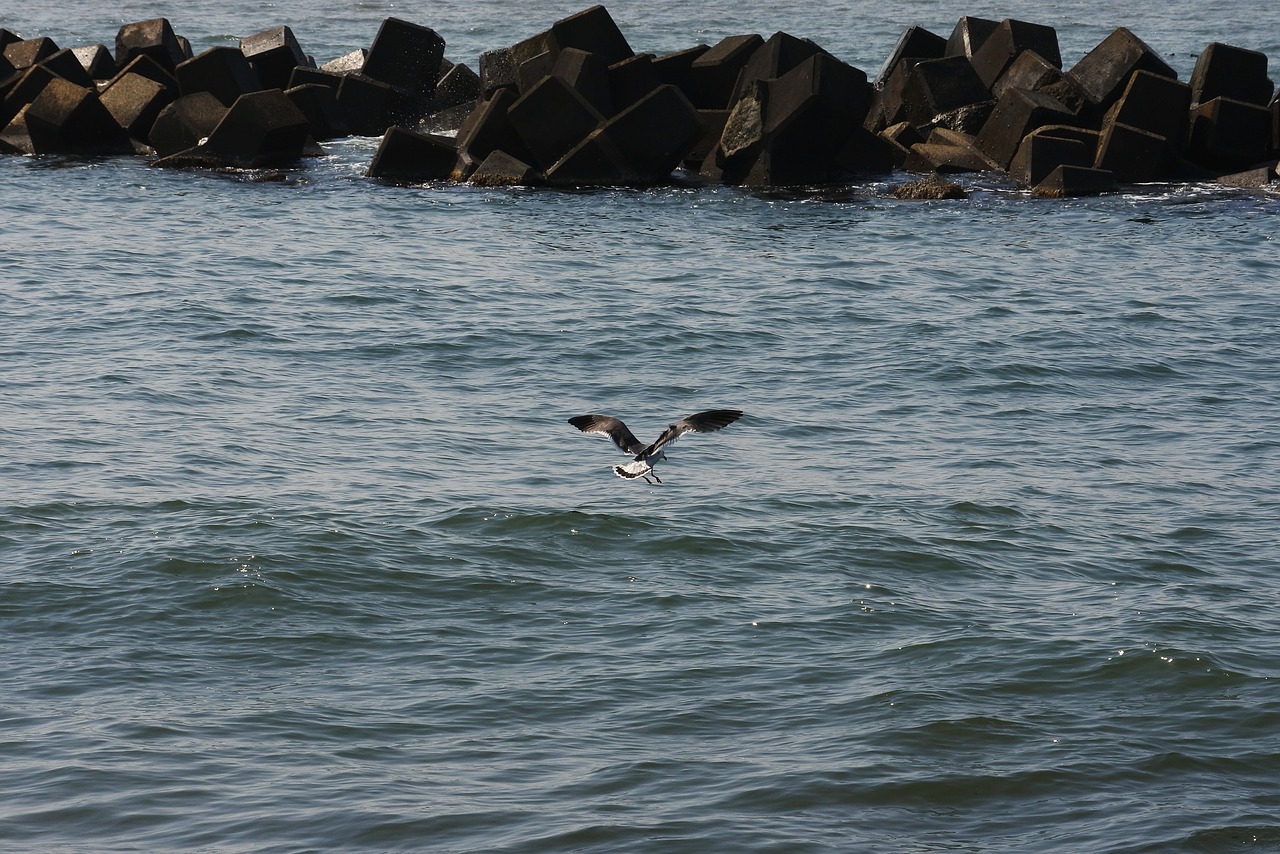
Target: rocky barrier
(575,106)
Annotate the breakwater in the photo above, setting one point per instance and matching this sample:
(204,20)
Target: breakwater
(575,105)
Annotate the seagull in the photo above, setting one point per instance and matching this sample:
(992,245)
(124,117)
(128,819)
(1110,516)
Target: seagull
(645,458)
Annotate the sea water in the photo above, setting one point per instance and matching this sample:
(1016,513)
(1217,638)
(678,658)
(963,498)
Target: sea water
(298,552)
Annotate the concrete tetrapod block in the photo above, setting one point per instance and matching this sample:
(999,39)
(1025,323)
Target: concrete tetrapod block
(490,129)
(28,85)
(677,69)
(64,64)
(593,162)
(222,71)
(406,155)
(1103,72)
(552,118)
(715,72)
(810,114)
(968,36)
(348,63)
(1075,181)
(184,122)
(713,122)
(68,119)
(1255,178)
(147,67)
(27,52)
(947,151)
(406,57)
(261,129)
(368,105)
(1033,72)
(588,75)
(135,103)
(632,79)
(1132,155)
(655,134)
(742,139)
(938,86)
(968,119)
(96,60)
(778,55)
(153,38)
(274,54)
(1224,71)
(865,152)
(533,69)
(1275,124)
(500,169)
(459,85)
(307,76)
(1008,40)
(887,105)
(1041,153)
(594,31)
(319,104)
(915,43)
(1155,104)
(1017,114)
(1229,134)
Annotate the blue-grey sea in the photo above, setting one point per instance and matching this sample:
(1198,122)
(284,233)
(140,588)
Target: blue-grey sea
(299,554)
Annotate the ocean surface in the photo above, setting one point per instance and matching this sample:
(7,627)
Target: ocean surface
(298,552)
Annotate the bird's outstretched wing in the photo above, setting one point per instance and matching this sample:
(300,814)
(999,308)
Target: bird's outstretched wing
(700,422)
(609,426)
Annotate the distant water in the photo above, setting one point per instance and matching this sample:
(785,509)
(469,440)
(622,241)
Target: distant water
(297,552)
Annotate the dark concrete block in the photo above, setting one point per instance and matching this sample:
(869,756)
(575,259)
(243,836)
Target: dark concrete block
(223,71)
(588,75)
(315,76)
(1132,155)
(154,38)
(533,69)
(1255,178)
(1033,72)
(1275,125)
(274,54)
(28,85)
(713,122)
(64,64)
(1008,40)
(632,79)
(96,60)
(968,119)
(261,129)
(406,57)
(1155,104)
(459,85)
(903,134)
(866,153)
(1103,72)
(1067,181)
(14,138)
(1223,71)
(715,72)
(594,162)
(946,158)
(938,86)
(185,122)
(448,122)
(319,103)
(594,31)
(968,36)
(677,69)
(1017,114)
(915,43)
(490,129)
(743,136)
(498,70)
(778,55)
(27,52)
(500,169)
(147,67)
(887,104)
(69,119)
(367,104)
(551,118)
(135,103)
(8,37)
(348,63)
(405,155)
(1229,134)
(655,134)
(1039,154)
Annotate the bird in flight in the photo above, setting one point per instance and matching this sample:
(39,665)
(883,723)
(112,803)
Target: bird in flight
(646,457)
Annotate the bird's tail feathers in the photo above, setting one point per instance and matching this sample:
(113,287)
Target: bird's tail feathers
(633,469)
